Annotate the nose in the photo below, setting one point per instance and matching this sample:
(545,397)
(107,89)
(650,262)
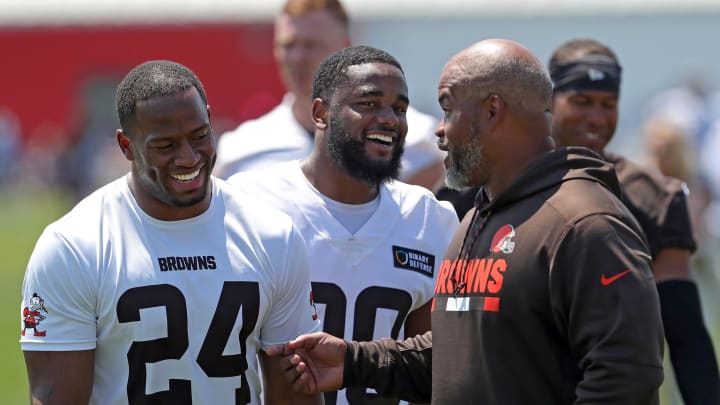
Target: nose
(388,117)
(188,155)
(596,117)
(296,53)
(440,129)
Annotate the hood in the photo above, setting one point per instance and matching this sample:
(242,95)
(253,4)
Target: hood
(558,166)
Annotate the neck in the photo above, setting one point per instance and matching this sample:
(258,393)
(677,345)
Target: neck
(512,166)
(163,211)
(332,181)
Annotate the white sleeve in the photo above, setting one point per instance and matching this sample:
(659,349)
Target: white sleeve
(58,277)
(292,311)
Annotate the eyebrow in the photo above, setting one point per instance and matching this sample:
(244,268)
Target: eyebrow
(378,93)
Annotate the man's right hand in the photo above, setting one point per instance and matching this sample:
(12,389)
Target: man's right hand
(313,363)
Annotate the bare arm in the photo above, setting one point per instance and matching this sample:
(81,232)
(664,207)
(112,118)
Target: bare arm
(60,377)
(277,390)
(671,264)
(418,321)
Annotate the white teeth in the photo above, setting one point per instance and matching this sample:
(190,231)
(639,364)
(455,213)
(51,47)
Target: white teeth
(592,136)
(186,177)
(380,137)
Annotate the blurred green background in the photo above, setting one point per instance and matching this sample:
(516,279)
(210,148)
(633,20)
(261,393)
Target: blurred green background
(24,215)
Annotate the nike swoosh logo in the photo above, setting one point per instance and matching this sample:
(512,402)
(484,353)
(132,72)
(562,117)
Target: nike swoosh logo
(605,281)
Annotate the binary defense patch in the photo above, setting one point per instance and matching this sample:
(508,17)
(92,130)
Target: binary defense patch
(415,260)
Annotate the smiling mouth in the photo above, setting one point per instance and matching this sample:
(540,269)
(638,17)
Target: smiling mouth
(381,138)
(186,177)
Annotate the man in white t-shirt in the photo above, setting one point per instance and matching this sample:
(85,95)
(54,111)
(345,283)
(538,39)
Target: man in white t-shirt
(163,286)
(374,243)
(306,32)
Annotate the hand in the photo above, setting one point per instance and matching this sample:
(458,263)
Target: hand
(313,363)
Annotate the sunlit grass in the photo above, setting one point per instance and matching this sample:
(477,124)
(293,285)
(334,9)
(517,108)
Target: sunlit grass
(23,215)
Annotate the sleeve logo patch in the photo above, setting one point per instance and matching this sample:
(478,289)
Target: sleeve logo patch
(33,314)
(414,260)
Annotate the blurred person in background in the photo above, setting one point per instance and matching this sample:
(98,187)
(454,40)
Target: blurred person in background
(669,149)
(586,76)
(374,244)
(10,144)
(307,31)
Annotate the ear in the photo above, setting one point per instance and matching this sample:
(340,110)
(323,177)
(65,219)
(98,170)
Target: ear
(495,109)
(125,145)
(320,114)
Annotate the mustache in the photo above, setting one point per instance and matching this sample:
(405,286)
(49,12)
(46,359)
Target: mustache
(443,145)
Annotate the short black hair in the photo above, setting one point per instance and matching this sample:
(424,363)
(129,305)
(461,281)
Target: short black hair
(333,70)
(577,48)
(152,79)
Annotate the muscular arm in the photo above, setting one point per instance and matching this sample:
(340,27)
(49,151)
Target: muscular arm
(277,390)
(60,377)
(691,350)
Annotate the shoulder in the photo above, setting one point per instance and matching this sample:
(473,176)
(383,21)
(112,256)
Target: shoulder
(411,198)
(649,194)
(252,211)
(95,209)
(277,120)
(639,180)
(577,199)
(76,239)
(276,179)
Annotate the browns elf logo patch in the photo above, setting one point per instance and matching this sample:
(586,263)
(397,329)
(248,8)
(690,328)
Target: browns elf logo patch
(415,260)
(33,314)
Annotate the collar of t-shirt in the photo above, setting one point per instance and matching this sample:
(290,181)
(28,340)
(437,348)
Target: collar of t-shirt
(351,216)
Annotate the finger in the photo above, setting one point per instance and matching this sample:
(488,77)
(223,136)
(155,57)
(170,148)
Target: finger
(304,382)
(304,340)
(288,362)
(276,350)
(290,365)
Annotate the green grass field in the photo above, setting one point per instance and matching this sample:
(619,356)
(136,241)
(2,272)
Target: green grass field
(26,213)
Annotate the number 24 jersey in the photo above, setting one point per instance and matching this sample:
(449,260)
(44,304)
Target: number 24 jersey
(176,311)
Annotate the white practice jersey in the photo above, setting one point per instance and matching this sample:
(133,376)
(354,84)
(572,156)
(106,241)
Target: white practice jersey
(278,137)
(176,311)
(364,284)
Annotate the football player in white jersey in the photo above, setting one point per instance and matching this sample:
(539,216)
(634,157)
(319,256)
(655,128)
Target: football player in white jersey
(306,31)
(375,244)
(164,285)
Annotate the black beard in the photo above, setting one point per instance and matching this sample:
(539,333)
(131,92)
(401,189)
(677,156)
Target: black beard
(349,154)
